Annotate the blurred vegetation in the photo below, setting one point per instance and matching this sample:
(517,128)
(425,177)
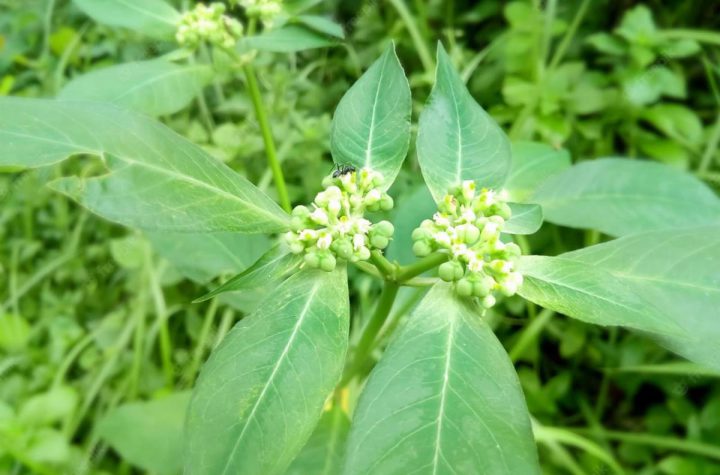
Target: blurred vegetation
(97,318)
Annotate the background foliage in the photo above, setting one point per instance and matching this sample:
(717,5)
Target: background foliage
(99,340)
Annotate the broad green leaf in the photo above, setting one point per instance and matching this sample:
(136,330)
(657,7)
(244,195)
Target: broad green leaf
(322,25)
(410,210)
(288,39)
(325,451)
(532,164)
(155,87)
(371,126)
(621,197)
(262,391)
(275,264)
(443,399)
(203,257)
(155,18)
(458,140)
(157,179)
(526,219)
(148,434)
(677,270)
(590,294)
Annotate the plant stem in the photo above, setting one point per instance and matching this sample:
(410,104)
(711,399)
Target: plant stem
(703,36)
(530,334)
(423,265)
(270,151)
(418,41)
(202,341)
(162,317)
(657,441)
(711,148)
(386,268)
(370,331)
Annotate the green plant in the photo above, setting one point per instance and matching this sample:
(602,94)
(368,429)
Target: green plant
(443,395)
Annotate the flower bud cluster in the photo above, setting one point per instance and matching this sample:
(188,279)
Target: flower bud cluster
(208,23)
(334,226)
(265,10)
(467,227)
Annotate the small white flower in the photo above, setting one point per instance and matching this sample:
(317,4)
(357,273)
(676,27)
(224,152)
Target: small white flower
(358,241)
(442,238)
(308,235)
(319,216)
(459,250)
(489,232)
(468,189)
(362,225)
(373,196)
(441,220)
(475,264)
(467,214)
(334,206)
(324,240)
(344,225)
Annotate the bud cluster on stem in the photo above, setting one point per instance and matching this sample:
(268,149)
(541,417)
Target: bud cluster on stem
(334,226)
(265,10)
(467,228)
(208,23)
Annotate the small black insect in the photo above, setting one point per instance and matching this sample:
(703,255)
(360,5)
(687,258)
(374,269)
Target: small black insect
(343,170)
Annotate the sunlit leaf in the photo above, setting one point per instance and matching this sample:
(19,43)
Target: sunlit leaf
(155,18)
(677,270)
(262,391)
(157,179)
(155,87)
(526,219)
(621,197)
(458,140)
(443,399)
(371,126)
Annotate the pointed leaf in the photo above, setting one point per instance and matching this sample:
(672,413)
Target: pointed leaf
(532,164)
(458,140)
(325,451)
(157,179)
(677,270)
(526,218)
(621,197)
(371,126)
(444,399)
(590,294)
(288,39)
(155,18)
(155,87)
(322,25)
(275,264)
(262,391)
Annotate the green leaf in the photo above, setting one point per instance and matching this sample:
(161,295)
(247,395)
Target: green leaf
(155,18)
(677,270)
(203,257)
(262,391)
(444,399)
(325,451)
(322,25)
(621,197)
(155,87)
(148,434)
(371,126)
(288,39)
(526,219)
(590,294)
(458,140)
(676,121)
(157,179)
(275,264)
(410,210)
(532,164)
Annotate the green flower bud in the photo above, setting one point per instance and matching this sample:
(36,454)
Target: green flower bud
(312,260)
(327,262)
(483,286)
(386,203)
(419,234)
(464,288)
(379,242)
(383,228)
(343,248)
(421,248)
(488,301)
(450,271)
(362,254)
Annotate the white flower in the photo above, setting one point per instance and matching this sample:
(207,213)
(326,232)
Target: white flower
(334,206)
(467,214)
(324,240)
(308,235)
(468,189)
(489,232)
(441,220)
(362,225)
(459,250)
(358,241)
(344,225)
(475,264)
(373,196)
(442,238)
(319,216)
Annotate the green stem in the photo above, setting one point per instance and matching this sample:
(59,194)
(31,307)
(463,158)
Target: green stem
(386,268)
(657,441)
(419,267)
(370,331)
(565,42)
(202,341)
(530,334)
(418,41)
(162,319)
(711,148)
(270,151)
